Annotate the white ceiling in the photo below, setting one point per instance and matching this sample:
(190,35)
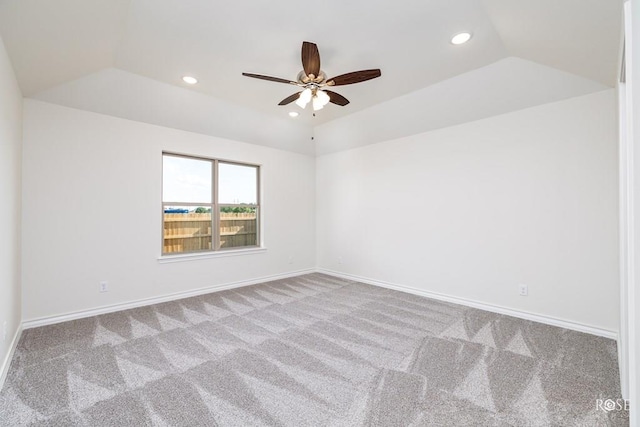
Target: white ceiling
(53,43)
(504,86)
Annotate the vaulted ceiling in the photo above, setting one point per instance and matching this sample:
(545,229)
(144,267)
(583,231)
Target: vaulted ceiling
(61,48)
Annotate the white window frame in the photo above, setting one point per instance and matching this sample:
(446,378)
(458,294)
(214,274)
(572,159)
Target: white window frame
(215,207)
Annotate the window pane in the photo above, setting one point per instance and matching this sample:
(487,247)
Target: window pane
(238,226)
(238,184)
(186,229)
(186,180)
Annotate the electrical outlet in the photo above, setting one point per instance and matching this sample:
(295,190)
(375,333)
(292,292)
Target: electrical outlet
(524,290)
(104,286)
(291,259)
(340,260)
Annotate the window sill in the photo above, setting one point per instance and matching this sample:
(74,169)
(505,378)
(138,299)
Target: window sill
(165,259)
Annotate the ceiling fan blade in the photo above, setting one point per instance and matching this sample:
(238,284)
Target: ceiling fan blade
(354,77)
(336,98)
(290,99)
(310,59)
(271,79)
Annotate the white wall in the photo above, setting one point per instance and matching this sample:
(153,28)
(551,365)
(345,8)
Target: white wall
(625,151)
(10,160)
(92,212)
(472,211)
(633,105)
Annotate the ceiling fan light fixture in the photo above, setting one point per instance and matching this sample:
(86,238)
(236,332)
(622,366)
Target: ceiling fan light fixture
(189,80)
(461,38)
(323,97)
(317,104)
(304,98)
(293,114)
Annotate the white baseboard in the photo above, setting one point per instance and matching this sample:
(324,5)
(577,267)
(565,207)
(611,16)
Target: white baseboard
(6,363)
(540,318)
(548,320)
(50,320)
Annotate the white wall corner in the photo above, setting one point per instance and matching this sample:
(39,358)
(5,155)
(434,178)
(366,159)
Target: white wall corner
(6,363)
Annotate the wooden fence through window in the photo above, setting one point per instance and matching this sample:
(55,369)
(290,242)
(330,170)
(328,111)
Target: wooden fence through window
(190,232)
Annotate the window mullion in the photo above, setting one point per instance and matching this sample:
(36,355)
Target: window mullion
(215,212)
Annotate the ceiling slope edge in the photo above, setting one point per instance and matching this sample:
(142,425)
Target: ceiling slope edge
(118,93)
(507,85)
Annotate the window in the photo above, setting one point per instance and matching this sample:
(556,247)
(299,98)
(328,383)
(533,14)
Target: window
(208,204)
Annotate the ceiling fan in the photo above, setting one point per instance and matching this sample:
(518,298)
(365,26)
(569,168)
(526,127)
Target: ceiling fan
(314,82)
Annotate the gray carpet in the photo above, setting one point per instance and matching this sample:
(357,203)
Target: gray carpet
(309,351)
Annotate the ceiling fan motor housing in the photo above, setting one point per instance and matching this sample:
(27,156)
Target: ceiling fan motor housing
(304,79)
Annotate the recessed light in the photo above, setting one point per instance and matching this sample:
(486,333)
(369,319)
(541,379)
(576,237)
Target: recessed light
(293,113)
(190,80)
(461,38)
